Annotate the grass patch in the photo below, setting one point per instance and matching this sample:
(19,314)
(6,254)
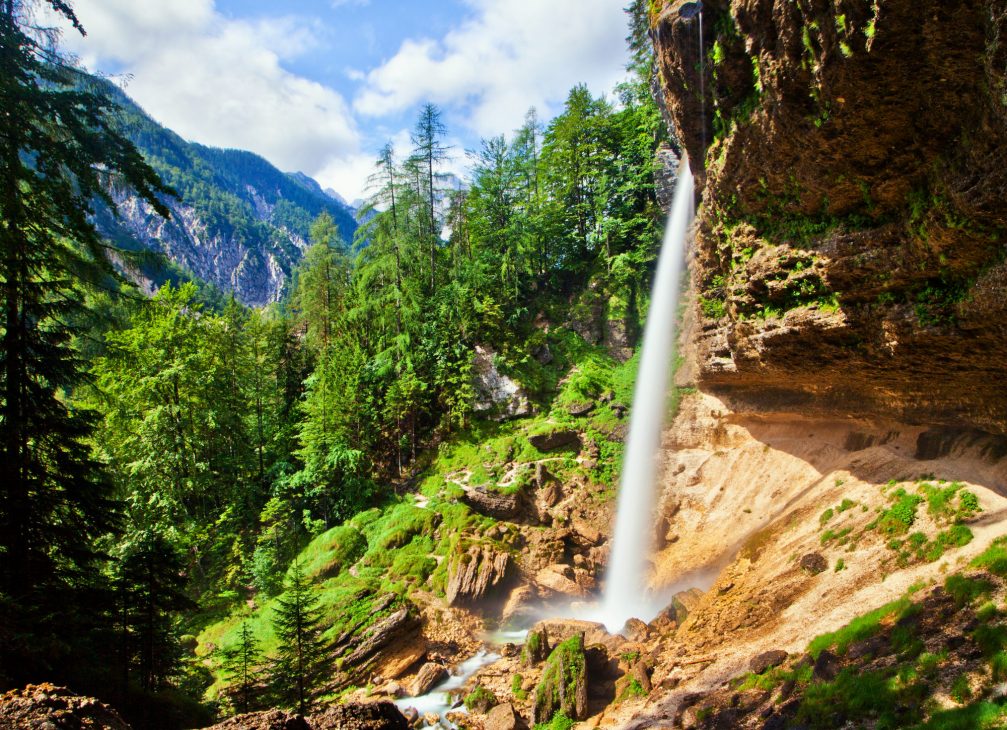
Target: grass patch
(862,627)
(966,590)
(993,558)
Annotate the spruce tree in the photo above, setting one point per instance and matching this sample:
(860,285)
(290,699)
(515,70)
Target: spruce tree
(240,664)
(60,154)
(299,666)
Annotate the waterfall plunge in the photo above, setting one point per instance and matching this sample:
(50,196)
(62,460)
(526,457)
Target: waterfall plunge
(626,593)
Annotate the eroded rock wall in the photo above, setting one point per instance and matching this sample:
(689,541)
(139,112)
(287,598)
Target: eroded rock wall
(851,237)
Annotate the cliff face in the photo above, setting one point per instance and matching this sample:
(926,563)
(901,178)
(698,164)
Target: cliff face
(850,248)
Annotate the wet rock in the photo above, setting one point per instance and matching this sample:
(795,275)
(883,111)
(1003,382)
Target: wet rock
(503,717)
(430,675)
(813,563)
(475,573)
(563,687)
(580,409)
(558,439)
(761,662)
(381,635)
(496,394)
(48,706)
(431,718)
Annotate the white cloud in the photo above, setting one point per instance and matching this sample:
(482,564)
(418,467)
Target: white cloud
(219,81)
(508,57)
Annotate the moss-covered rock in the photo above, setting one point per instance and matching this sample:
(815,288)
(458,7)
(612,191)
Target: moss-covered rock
(535,649)
(563,687)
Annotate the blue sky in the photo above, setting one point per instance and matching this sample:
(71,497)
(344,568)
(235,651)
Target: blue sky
(320,85)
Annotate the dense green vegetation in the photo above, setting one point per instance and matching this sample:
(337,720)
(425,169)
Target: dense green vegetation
(183,467)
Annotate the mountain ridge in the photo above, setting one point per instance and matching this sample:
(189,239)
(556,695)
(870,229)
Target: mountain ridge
(238,222)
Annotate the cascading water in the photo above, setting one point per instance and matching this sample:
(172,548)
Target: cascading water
(626,579)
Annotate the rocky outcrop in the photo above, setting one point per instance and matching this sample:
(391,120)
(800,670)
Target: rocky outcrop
(383,633)
(49,706)
(266,720)
(563,687)
(497,395)
(850,160)
(360,716)
(556,439)
(474,574)
(496,504)
(348,716)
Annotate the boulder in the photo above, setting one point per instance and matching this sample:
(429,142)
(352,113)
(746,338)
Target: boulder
(48,706)
(360,716)
(480,700)
(580,409)
(563,687)
(826,666)
(503,717)
(496,394)
(558,439)
(381,635)
(474,573)
(635,630)
(399,657)
(495,504)
(761,662)
(560,579)
(814,563)
(430,675)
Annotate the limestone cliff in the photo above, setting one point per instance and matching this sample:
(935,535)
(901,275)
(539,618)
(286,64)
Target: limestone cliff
(849,156)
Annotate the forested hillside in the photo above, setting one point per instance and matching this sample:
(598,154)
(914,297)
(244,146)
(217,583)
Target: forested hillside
(236,222)
(278,479)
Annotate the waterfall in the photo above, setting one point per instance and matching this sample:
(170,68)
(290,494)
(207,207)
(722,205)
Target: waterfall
(626,580)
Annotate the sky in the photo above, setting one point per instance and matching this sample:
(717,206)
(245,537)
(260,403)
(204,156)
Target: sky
(319,86)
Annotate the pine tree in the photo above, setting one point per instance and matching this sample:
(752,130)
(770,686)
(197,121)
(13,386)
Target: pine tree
(60,153)
(299,666)
(240,665)
(152,585)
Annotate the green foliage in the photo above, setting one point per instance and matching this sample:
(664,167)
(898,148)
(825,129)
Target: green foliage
(480,699)
(559,721)
(517,688)
(965,590)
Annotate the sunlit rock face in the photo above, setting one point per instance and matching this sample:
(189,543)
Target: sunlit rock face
(851,167)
